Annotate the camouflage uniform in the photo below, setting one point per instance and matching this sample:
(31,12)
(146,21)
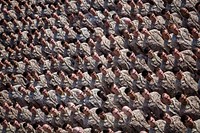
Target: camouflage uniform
(192,107)
(168,83)
(187,84)
(176,126)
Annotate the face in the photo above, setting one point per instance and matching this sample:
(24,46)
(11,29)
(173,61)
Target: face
(6,106)
(146,94)
(165,33)
(79,73)
(87,90)
(62,74)
(23,90)
(148,77)
(102,115)
(31,88)
(81,15)
(183,99)
(167,117)
(45,109)
(92,11)
(102,95)
(81,95)
(116,113)
(116,51)
(179,75)
(167,15)
(174,28)
(111,37)
(86,110)
(74,77)
(133,74)
(78,44)
(164,56)
(127,111)
(153,16)
(67,90)
(69,127)
(95,56)
(189,123)
(54,111)
(136,33)
(194,31)
(18,107)
(198,53)
(133,57)
(26,60)
(59,89)
(109,57)
(184,12)
(131,95)
(117,72)
(54,29)
(91,42)
(119,4)
(105,13)
(140,3)
(166,98)
(160,73)
(45,92)
(116,18)
(126,33)
(29,126)
(152,122)
(5,123)
(16,123)
(94,75)
(72,106)
(115,89)
(176,53)
(103,69)
(33,109)
(49,73)
(139,17)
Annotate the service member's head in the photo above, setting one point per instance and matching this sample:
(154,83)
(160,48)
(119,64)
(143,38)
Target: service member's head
(100,113)
(187,121)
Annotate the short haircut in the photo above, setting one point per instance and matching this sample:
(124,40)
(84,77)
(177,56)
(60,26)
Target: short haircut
(164,11)
(184,118)
(99,111)
(130,70)
(114,68)
(113,16)
(127,90)
(145,73)
(58,106)
(141,91)
(178,95)
(146,50)
(90,71)
(83,88)
(99,66)
(99,93)
(162,115)
(175,70)
(106,131)
(41,90)
(82,108)
(128,54)
(148,118)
